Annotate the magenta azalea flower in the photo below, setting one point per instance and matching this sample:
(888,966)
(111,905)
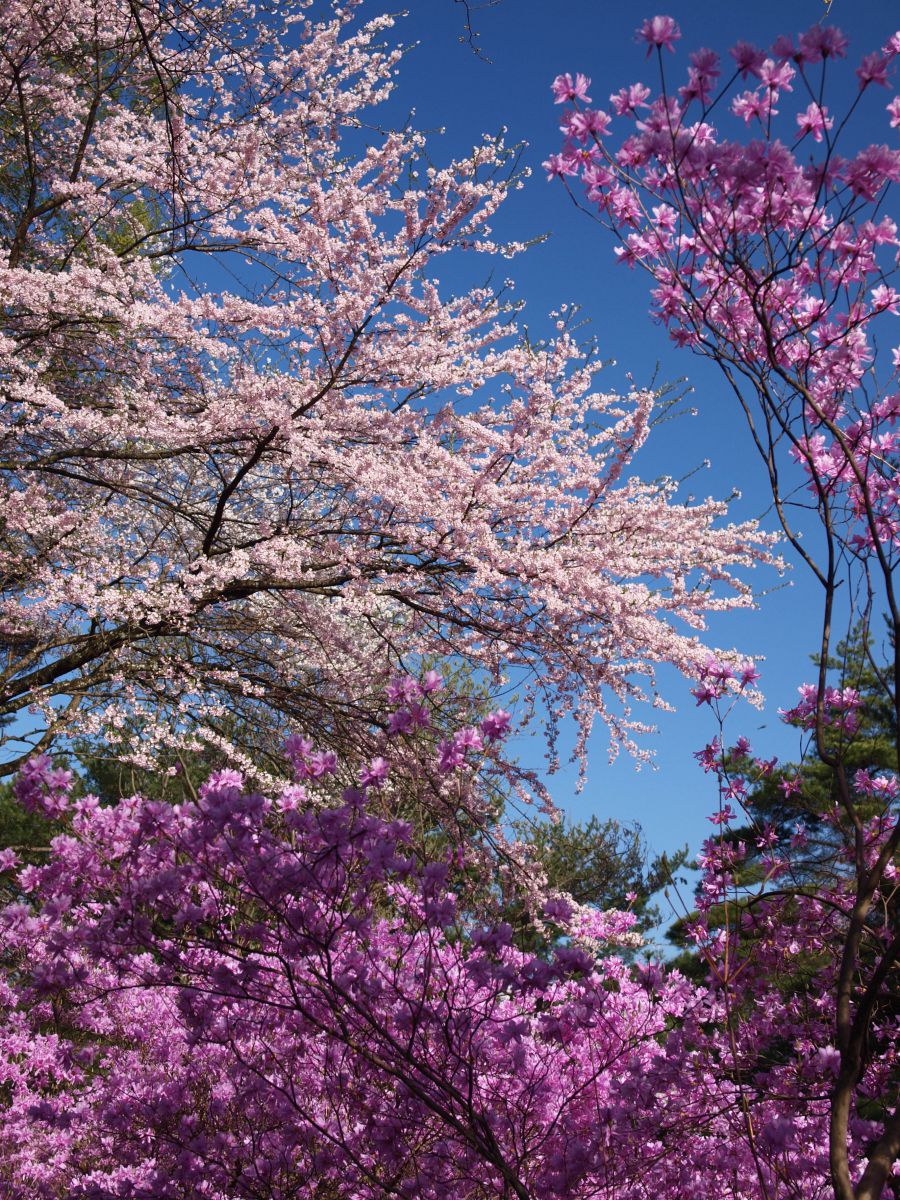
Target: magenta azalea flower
(659,31)
(566,89)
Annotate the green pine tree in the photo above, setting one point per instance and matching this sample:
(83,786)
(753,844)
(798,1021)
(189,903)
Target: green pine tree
(776,806)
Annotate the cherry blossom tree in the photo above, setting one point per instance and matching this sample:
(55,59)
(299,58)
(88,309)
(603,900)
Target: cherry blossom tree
(773,254)
(254,458)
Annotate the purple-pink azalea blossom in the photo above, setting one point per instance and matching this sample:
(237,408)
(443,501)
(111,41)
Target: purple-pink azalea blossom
(240,998)
(659,32)
(775,259)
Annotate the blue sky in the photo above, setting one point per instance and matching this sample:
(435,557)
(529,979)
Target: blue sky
(528,42)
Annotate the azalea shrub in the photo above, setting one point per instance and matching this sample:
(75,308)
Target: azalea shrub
(762,219)
(254,995)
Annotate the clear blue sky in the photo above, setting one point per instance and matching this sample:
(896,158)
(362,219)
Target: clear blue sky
(528,42)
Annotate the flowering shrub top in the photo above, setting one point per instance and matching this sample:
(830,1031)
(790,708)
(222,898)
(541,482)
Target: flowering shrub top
(768,250)
(268,996)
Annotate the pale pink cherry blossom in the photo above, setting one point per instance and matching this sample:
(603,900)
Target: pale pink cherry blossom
(257,460)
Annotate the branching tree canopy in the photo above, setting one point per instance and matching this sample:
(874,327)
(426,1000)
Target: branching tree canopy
(253,456)
(256,468)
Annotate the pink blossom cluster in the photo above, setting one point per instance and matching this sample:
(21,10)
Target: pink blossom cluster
(753,929)
(252,445)
(837,707)
(718,679)
(774,255)
(232,997)
(767,250)
(41,787)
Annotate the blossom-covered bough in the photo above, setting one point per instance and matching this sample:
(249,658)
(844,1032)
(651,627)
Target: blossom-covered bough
(253,457)
(774,255)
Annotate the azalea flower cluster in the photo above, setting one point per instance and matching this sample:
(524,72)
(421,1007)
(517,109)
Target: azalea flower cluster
(755,930)
(264,996)
(769,251)
(718,679)
(835,707)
